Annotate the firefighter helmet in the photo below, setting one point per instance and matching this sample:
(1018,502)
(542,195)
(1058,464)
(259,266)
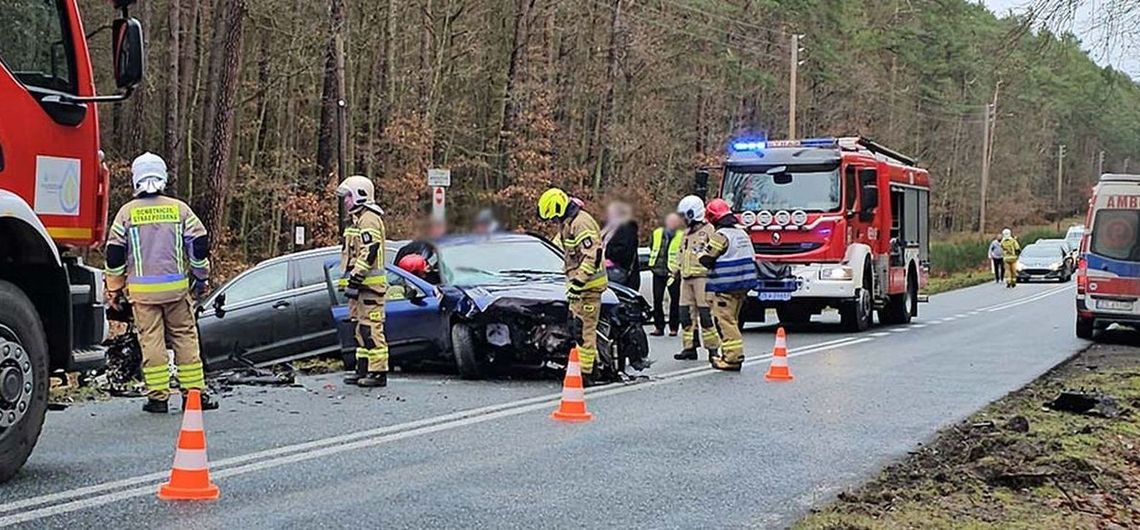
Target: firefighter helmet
(692,208)
(148,174)
(717,209)
(356,191)
(552,204)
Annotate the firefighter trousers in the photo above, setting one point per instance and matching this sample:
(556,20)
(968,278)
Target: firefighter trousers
(1010,271)
(171,324)
(367,312)
(726,311)
(696,309)
(587,309)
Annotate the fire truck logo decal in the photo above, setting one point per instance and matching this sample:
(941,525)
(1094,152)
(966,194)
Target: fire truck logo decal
(57,186)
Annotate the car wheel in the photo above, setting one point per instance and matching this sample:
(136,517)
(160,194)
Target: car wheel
(635,344)
(1084,328)
(23,379)
(463,348)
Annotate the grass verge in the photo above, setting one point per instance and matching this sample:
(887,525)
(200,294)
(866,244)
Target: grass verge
(1016,464)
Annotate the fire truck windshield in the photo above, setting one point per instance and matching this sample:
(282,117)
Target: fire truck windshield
(812,188)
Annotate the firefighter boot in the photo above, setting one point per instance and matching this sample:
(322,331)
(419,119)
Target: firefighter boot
(720,364)
(687,354)
(208,402)
(157,406)
(714,355)
(356,375)
(374,379)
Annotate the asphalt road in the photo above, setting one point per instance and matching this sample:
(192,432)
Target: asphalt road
(689,448)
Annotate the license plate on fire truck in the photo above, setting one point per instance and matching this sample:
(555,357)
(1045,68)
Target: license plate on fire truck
(774,297)
(1114,305)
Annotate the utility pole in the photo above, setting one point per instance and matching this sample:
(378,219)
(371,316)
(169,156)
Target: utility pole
(1100,164)
(795,72)
(1125,170)
(989,125)
(1060,172)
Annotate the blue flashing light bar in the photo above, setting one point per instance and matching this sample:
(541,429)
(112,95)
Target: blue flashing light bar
(761,145)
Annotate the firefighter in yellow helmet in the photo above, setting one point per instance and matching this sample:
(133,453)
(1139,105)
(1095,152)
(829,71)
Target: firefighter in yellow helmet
(695,306)
(159,251)
(585,271)
(365,281)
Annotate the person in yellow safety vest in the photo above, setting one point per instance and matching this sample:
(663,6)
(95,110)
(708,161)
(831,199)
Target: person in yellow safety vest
(694,298)
(731,262)
(585,271)
(365,281)
(664,252)
(152,240)
(1010,249)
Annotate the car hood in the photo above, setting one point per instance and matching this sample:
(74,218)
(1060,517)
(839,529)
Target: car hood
(1039,263)
(537,291)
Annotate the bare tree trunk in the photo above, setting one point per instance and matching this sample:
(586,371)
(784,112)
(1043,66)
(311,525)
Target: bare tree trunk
(188,79)
(213,206)
(601,157)
(135,126)
(172,133)
(509,108)
(329,131)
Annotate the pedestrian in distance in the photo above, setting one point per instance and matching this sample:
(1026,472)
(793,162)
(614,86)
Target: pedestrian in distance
(664,253)
(159,251)
(486,223)
(732,273)
(364,280)
(996,260)
(694,276)
(619,238)
(586,279)
(1010,249)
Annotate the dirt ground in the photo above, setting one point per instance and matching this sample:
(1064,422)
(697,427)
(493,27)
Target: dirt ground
(1018,463)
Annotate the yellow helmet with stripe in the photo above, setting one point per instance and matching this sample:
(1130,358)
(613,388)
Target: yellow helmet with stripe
(553,203)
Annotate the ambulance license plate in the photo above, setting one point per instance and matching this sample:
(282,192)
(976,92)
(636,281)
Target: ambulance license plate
(1114,305)
(774,297)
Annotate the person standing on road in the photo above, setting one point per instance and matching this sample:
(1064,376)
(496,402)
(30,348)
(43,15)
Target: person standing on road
(694,276)
(586,279)
(365,281)
(152,240)
(732,273)
(996,260)
(664,252)
(1010,248)
(619,237)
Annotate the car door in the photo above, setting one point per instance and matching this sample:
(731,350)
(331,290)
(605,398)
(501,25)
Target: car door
(248,317)
(315,331)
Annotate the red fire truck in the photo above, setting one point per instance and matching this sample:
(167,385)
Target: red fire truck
(53,200)
(835,222)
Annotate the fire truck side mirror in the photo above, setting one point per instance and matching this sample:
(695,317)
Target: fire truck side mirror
(701,183)
(127,47)
(868,201)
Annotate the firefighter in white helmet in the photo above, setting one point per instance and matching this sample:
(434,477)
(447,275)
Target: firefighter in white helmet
(159,252)
(695,306)
(365,282)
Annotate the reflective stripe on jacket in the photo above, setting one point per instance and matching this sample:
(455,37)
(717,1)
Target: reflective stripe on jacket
(582,243)
(363,250)
(735,267)
(673,252)
(694,245)
(158,233)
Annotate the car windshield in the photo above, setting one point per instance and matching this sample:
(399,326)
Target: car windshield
(1114,234)
(1040,251)
(1074,235)
(497,262)
(813,188)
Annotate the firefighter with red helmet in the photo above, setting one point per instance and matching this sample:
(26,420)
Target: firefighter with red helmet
(365,281)
(732,273)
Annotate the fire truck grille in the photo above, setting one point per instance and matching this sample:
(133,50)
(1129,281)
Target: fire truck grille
(786,248)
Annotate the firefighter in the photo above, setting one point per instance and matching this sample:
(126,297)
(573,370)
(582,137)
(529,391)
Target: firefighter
(365,282)
(585,274)
(1010,248)
(160,252)
(732,273)
(694,298)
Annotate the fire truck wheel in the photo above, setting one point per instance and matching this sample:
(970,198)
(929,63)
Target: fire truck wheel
(857,314)
(23,378)
(898,308)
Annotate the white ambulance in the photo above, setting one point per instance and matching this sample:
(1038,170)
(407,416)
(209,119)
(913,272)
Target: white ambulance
(1108,276)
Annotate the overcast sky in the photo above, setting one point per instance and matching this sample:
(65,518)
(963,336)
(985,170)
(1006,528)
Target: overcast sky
(1083,27)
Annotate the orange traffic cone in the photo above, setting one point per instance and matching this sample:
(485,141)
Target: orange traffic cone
(573,405)
(190,476)
(778,370)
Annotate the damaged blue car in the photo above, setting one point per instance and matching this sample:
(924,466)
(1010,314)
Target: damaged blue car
(489,303)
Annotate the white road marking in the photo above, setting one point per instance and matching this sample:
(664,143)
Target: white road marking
(918,326)
(1015,303)
(960,315)
(362,439)
(880,334)
(900,330)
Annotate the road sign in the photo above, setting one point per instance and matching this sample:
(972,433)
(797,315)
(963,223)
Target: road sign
(299,235)
(438,203)
(439,177)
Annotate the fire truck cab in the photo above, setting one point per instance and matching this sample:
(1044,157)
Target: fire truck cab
(835,222)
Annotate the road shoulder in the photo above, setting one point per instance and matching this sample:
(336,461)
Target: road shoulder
(1017,463)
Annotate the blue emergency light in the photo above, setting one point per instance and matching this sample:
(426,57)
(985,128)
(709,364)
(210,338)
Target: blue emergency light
(749,145)
(761,145)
